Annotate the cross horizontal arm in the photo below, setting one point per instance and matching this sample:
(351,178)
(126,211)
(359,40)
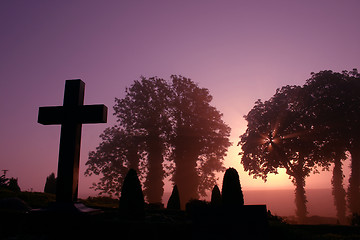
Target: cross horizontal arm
(51,115)
(93,114)
(76,114)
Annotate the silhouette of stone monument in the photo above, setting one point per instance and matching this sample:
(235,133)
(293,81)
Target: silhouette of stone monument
(71,116)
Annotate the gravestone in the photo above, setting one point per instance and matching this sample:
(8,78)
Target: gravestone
(71,116)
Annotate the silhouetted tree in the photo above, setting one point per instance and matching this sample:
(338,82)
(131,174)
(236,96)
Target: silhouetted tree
(117,152)
(50,184)
(200,138)
(279,136)
(9,183)
(174,200)
(232,195)
(143,113)
(163,125)
(301,128)
(335,105)
(13,185)
(338,191)
(137,140)
(132,198)
(4,181)
(216,197)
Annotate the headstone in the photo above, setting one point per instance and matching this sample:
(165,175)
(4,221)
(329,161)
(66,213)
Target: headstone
(71,116)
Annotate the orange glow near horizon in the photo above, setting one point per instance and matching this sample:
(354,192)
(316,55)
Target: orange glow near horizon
(280,180)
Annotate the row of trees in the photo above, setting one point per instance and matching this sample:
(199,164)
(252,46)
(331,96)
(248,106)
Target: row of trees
(304,128)
(164,128)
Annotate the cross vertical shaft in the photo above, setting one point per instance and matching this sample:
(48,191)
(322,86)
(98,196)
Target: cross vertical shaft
(69,151)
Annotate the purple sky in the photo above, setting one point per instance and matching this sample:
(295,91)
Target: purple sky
(240,50)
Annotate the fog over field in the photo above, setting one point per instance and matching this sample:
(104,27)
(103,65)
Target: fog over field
(281,202)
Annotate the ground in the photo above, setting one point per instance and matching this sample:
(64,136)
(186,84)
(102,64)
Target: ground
(157,224)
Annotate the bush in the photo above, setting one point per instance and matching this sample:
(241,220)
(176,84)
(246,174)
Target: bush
(232,195)
(37,199)
(174,200)
(355,219)
(101,201)
(132,198)
(198,208)
(33,199)
(216,197)
(50,184)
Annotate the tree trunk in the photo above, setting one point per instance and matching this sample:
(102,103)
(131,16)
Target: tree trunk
(300,198)
(186,177)
(354,182)
(154,185)
(338,191)
(133,157)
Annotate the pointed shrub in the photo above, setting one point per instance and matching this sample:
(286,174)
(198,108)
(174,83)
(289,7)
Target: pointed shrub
(132,198)
(232,195)
(50,184)
(215,197)
(174,200)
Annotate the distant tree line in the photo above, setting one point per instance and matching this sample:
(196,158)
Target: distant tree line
(306,128)
(164,128)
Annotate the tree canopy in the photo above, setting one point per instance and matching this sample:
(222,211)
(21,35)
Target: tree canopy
(163,128)
(303,128)
(335,106)
(277,137)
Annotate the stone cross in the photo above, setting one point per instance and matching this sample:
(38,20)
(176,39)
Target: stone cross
(71,116)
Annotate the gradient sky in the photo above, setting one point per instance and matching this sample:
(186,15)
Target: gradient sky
(240,50)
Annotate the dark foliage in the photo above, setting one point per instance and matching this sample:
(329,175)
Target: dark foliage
(132,198)
(113,157)
(200,138)
(274,219)
(335,105)
(174,200)
(4,181)
(33,199)
(303,128)
(102,202)
(13,185)
(232,195)
(50,184)
(355,219)
(278,136)
(216,199)
(164,128)
(199,210)
(10,184)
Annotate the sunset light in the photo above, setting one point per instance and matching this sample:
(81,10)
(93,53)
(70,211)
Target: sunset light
(182,92)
